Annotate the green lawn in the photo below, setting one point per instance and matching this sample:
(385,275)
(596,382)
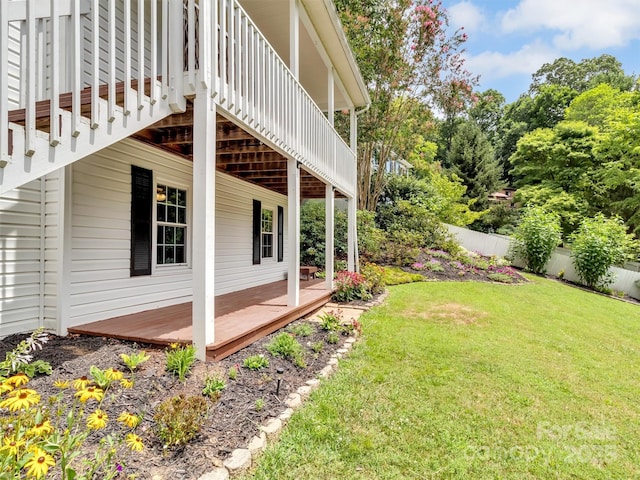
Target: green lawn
(475,380)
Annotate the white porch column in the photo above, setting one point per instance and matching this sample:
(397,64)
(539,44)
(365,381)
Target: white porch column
(294,38)
(293,211)
(63,247)
(351,234)
(204,197)
(331,104)
(329,234)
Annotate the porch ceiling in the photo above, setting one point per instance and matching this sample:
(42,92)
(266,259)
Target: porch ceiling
(238,153)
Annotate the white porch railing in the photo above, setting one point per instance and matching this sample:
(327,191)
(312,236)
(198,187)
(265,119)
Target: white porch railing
(76,76)
(79,75)
(252,84)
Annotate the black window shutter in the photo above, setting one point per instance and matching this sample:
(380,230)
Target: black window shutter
(141,210)
(257,230)
(280,234)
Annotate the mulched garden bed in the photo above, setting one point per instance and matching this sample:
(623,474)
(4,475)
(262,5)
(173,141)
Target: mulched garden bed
(245,404)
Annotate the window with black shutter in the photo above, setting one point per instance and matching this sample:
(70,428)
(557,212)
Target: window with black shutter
(280,234)
(257,230)
(141,210)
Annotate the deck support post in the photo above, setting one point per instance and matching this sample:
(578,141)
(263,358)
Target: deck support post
(293,194)
(351,234)
(329,215)
(63,247)
(204,196)
(294,38)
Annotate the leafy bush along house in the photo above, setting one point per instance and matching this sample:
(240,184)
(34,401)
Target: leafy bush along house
(155,153)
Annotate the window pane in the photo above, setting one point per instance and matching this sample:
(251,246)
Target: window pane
(171,214)
(179,240)
(168,255)
(160,236)
(173,196)
(169,235)
(182,215)
(160,258)
(162,212)
(180,257)
(182,198)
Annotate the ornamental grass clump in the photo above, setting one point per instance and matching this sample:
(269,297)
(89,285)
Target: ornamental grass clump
(180,359)
(46,438)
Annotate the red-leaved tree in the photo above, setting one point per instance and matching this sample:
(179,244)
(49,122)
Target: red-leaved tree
(410,63)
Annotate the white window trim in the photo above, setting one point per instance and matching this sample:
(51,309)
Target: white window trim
(171,267)
(274,240)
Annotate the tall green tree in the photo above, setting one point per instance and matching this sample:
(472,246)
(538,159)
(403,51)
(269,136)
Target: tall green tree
(471,159)
(582,76)
(405,55)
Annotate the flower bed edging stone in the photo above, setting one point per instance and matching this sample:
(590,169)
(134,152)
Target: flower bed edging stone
(241,458)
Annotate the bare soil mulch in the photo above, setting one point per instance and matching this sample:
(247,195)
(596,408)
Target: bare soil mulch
(246,403)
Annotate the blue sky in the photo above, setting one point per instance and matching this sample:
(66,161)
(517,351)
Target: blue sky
(510,40)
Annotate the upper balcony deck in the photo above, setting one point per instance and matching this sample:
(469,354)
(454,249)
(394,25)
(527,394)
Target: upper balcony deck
(100,71)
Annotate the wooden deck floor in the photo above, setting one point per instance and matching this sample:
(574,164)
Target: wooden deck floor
(241,318)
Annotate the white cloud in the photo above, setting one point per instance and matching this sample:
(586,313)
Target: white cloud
(528,59)
(466,14)
(577,23)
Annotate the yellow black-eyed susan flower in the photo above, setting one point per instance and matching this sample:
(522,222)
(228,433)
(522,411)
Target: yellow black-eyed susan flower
(39,464)
(126,383)
(90,393)
(61,384)
(81,383)
(11,446)
(134,442)
(129,419)
(97,420)
(20,399)
(42,428)
(113,374)
(17,380)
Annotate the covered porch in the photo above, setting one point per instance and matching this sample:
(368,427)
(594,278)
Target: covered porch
(242,317)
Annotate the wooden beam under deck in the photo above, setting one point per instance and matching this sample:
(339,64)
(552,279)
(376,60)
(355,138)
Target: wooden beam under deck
(241,318)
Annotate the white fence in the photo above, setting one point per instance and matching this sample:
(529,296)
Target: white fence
(493,244)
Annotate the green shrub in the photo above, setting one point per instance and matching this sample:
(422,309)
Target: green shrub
(500,277)
(20,358)
(330,321)
(287,347)
(180,360)
(301,330)
(333,338)
(213,386)
(312,233)
(317,347)
(256,362)
(179,419)
(396,276)
(350,286)
(536,237)
(370,238)
(374,277)
(597,245)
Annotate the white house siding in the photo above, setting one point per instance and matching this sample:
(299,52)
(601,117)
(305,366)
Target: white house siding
(234,213)
(21,228)
(100,282)
(51,243)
